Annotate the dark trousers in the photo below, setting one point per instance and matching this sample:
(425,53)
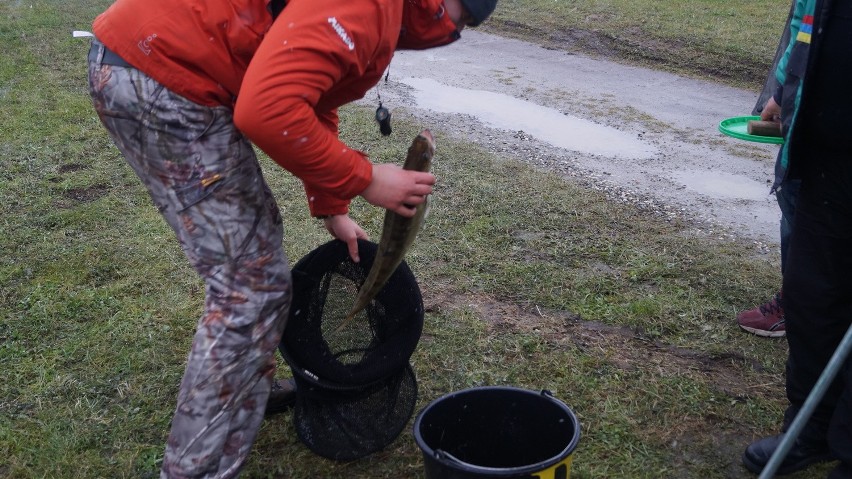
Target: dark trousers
(786,196)
(818,297)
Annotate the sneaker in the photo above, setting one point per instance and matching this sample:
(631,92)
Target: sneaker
(801,455)
(282,396)
(766,320)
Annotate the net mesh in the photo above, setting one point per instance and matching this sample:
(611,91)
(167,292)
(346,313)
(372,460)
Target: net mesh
(355,387)
(347,425)
(375,344)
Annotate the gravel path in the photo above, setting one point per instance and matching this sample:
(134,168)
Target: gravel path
(534,104)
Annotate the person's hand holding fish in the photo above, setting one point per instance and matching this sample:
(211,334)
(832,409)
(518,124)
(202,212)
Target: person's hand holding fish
(392,188)
(398,190)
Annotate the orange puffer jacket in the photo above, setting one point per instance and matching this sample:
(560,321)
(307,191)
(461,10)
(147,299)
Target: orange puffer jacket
(285,79)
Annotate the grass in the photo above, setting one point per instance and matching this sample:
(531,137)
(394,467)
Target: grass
(625,317)
(731,41)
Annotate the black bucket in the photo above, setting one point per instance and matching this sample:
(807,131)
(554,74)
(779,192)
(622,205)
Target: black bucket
(499,432)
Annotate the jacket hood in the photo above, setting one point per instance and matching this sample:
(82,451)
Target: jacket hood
(425,24)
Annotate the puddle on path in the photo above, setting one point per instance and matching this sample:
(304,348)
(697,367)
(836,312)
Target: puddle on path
(722,185)
(546,124)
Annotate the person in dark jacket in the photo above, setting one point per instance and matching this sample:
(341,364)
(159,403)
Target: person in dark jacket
(767,319)
(813,105)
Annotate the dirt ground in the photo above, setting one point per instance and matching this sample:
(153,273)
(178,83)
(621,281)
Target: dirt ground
(685,168)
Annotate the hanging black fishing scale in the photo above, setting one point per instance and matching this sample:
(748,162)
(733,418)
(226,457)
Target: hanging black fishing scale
(383,115)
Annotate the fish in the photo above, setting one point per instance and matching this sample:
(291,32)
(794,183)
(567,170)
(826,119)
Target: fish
(398,232)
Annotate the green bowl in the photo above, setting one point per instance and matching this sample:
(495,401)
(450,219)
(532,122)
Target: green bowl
(737,127)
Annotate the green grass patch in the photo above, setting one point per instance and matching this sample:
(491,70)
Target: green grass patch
(731,41)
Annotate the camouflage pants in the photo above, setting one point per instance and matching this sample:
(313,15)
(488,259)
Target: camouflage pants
(204,178)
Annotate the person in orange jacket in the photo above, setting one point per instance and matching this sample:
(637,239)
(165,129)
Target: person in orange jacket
(184,88)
